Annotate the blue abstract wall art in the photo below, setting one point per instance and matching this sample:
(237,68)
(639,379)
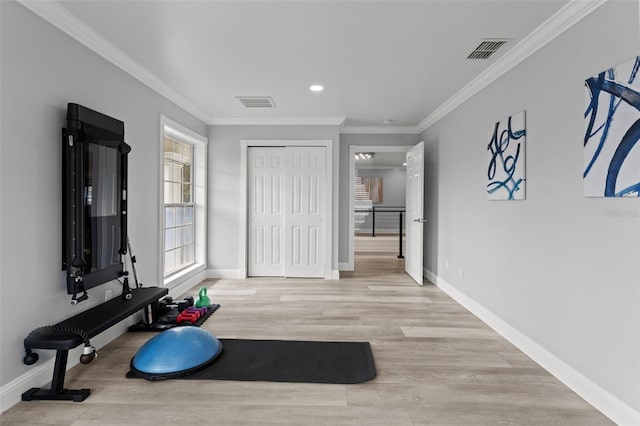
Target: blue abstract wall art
(506,149)
(612,131)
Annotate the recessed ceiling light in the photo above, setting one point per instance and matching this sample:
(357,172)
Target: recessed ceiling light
(404,164)
(316,88)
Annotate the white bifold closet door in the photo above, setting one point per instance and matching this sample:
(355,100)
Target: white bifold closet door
(265,178)
(286,194)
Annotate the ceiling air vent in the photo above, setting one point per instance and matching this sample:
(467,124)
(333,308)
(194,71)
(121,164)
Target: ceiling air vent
(486,49)
(256,101)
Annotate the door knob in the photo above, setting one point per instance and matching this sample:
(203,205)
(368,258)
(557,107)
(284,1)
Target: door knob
(420,220)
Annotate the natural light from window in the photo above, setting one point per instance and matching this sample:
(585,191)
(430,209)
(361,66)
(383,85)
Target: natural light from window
(179,242)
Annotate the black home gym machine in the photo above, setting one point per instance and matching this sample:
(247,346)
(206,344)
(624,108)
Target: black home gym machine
(94,245)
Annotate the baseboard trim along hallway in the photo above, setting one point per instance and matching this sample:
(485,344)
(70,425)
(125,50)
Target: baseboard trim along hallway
(609,405)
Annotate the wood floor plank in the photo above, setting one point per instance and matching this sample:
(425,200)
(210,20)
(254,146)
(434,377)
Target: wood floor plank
(450,332)
(219,393)
(353,299)
(437,396)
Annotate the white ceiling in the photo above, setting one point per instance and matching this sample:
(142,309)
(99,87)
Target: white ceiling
(397,60)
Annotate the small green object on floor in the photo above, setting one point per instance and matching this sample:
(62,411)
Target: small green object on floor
(203,299)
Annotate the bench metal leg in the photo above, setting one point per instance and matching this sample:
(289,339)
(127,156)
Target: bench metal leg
(57,391)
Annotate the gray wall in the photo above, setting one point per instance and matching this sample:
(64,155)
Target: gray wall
(560,268)
(393,185)
(224,183)
(346,140)
(42,69)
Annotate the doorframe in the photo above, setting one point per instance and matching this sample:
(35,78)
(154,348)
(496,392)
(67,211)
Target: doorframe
(350,265)
(245,144)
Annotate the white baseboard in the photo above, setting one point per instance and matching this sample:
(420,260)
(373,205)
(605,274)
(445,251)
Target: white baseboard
(11,393)
(347,266)
(42,373)
(430,275)
(237,274)
(180,289)
(594,394)
(225,273)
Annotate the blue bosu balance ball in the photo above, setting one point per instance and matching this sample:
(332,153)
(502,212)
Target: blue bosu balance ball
(176,352)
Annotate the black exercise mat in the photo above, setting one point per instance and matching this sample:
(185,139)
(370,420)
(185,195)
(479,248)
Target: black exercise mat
(167,320)
(289,361)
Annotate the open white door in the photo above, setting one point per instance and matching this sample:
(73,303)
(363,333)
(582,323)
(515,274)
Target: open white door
(415,211)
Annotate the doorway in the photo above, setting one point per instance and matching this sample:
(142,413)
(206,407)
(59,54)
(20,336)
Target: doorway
(377,203)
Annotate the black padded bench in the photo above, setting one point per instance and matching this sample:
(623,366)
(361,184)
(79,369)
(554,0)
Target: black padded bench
(92,322)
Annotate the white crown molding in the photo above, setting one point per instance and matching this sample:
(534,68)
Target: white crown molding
(561,21)
(179,131)
(608,404)
(380,130)
(58,16)
(277,121)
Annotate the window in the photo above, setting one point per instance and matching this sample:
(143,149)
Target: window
(179,241)
(183,221)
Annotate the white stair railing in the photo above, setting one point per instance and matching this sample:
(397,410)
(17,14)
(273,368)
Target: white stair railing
(361,201)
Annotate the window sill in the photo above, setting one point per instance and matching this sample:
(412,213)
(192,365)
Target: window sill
(179,277)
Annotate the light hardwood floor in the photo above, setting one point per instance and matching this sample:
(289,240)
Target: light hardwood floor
(437,364)
(381,245)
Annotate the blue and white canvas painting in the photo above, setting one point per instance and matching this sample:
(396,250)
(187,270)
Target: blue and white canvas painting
(506,169)
(612,131)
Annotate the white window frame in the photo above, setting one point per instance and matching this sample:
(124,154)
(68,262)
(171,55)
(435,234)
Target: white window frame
(175,130)
(177,205)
